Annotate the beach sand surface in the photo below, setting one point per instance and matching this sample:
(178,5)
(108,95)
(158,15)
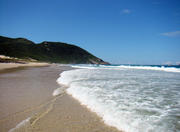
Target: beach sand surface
(15,65)
(27,103)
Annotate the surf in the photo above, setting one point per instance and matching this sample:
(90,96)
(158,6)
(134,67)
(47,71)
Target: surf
(130,98)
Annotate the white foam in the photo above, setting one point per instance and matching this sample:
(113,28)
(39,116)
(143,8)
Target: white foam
(124,100)
(21,124)
(57,91)
(84,66)
(67,77)
(120,67)
(162,68)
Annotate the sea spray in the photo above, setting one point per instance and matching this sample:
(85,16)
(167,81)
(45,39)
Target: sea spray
(138,100)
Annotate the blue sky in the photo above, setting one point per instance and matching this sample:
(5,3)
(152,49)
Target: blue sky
(118,31)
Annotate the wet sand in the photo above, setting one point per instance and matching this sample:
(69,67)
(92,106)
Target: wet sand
(26,94)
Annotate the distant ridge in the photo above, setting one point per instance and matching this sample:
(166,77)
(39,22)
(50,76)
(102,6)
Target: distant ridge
(53,52)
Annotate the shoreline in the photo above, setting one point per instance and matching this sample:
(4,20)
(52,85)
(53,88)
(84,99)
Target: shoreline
(47,113)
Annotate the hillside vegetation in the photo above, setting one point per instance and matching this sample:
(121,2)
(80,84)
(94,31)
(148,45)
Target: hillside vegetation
(53,52)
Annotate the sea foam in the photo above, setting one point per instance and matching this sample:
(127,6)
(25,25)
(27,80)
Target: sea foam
(162,68)
(120,67)
(138,100)
(57,91)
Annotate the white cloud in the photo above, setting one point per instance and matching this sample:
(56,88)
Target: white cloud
(172,34)
(126,11)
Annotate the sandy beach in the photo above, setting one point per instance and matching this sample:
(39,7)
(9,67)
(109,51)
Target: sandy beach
(27,103)
(15,65)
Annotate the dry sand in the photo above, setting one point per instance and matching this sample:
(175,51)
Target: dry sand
(26,94)
(15,65)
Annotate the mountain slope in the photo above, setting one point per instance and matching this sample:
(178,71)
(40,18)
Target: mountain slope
(54,52)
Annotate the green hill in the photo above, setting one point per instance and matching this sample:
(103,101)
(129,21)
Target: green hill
(54,52)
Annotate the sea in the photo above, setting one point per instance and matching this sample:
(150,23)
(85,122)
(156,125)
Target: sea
(132,98)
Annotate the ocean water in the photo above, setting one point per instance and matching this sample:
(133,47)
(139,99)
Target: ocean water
(130,98)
